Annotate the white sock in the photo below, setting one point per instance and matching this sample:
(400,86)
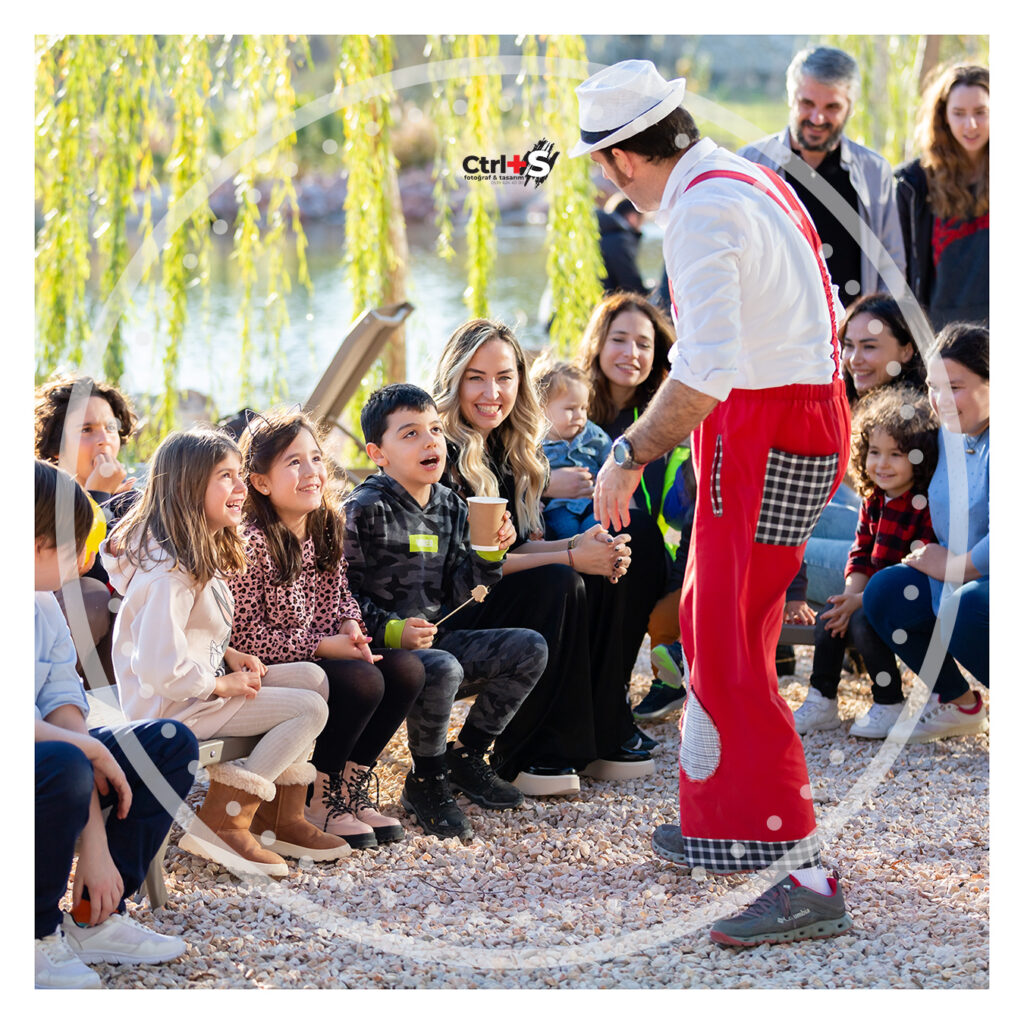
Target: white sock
(813,878)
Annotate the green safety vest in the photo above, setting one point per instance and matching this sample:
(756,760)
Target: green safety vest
(675,459)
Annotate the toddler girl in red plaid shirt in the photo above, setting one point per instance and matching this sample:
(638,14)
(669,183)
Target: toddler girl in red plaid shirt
(894,450)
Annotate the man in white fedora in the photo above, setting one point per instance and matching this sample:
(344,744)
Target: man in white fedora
(755,374)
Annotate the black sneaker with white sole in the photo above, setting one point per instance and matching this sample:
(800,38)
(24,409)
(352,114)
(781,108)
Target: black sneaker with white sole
(641,741)
(430,799)
(787,912)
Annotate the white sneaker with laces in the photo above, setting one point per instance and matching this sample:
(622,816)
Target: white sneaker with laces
(57,966)
(816,714)
(876,722)
(938,721)
(120,940)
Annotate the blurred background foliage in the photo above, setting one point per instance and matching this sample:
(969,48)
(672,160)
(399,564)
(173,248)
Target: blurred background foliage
(131,133)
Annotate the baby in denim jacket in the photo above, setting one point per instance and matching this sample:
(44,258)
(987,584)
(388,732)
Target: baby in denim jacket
(572,440)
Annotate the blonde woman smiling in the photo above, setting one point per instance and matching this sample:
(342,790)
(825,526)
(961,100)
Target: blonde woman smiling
(576,717)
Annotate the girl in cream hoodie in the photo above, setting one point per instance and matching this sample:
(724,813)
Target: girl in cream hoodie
(168,558)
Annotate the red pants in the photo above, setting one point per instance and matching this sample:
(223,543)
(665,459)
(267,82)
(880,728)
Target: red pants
(767,462)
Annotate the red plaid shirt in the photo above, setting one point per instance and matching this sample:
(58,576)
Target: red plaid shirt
(885,530)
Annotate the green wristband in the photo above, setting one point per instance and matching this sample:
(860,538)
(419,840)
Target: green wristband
(491,556)
(393,633)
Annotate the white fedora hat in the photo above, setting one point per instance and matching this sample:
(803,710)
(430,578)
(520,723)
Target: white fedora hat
(621,100)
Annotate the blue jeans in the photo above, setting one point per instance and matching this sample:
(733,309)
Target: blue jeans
(561,522)
(829,546)
(64,785)
(899,598)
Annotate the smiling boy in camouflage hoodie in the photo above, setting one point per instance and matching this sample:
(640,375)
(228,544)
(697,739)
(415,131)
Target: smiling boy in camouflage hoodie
(410,563)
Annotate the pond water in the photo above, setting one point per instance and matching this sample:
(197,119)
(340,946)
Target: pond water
(211,350)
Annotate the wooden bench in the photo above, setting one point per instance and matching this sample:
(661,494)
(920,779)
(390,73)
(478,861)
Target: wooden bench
(104,709)
(795,633)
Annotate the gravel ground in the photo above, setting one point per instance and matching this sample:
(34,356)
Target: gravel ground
(566,893)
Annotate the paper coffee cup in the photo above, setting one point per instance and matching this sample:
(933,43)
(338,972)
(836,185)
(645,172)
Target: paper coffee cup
(485,515)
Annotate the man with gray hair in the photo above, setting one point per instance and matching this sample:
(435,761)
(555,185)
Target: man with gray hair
(823,84)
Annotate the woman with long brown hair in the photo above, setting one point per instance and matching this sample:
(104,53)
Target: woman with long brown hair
(942,198)
(624,352)
(576,716)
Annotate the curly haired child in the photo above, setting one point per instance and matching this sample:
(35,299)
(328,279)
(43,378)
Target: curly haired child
(894,451)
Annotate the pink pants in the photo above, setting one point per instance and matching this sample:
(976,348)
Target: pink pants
(767,462)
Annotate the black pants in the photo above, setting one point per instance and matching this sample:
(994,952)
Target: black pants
(159,758)
(886,682)
(366,705)
(577,710)
(644,585)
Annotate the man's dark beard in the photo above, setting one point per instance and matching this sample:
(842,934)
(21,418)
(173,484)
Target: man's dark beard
(830,142)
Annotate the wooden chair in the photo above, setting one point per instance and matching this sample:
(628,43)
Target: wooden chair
(361,346)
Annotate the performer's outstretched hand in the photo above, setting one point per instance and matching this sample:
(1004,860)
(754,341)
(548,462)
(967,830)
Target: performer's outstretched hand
(612,491)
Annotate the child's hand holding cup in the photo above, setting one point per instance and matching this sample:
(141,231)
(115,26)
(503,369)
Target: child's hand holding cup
(486,522)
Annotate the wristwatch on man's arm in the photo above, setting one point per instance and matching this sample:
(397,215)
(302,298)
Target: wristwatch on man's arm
(622,453)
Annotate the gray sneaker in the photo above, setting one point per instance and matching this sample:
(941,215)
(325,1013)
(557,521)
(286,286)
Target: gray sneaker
(667,843)
(787,912)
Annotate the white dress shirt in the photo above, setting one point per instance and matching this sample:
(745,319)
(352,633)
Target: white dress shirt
(748,301)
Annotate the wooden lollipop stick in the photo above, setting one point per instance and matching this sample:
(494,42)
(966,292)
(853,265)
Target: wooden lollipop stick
(478,593)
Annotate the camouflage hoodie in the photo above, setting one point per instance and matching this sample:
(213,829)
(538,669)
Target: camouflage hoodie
(405,561)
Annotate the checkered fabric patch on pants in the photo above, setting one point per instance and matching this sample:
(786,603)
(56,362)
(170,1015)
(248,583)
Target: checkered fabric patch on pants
(729,856)
(700,747)
(796,490)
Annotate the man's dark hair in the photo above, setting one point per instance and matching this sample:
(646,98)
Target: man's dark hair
(50,479)
(662,141)
(386,400)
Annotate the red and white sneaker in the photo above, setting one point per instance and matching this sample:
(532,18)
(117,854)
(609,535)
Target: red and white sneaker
(939,721)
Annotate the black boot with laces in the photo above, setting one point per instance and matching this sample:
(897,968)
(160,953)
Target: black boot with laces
(430,799)
(472,774)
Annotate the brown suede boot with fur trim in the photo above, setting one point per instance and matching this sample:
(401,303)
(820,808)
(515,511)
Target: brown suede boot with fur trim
(227,812)
(281,826)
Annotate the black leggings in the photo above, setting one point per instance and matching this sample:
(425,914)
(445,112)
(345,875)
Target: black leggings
(366,705)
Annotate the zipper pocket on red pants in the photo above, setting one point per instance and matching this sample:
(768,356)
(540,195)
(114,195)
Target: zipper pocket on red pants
(716,478)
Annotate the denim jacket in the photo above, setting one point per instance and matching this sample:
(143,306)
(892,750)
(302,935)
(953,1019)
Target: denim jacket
(589,448)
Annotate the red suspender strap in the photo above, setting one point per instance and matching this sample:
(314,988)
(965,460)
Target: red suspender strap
(792,208)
